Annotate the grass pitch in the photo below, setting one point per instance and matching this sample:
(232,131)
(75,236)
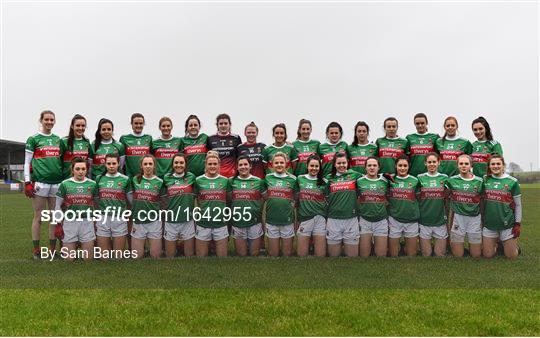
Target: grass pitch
(267,296)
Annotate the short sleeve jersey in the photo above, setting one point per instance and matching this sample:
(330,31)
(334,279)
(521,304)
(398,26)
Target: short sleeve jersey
(181,192)
(212,196)
(98,155)
(402,198)
(81,148)
(372,200)
(419,146)
(135,148)
(499,196)
(341,189)
(449,151)
(195,150)
(431,199)
(358,154)
(311,198)
(271,150)
(112,192)
(164,151)
(465,194)
(481,150)
(328,151)
(146,195)
(280,202)
(77,195)
(304,150)
(253,151)
(389,150)
(46,161)
(226,146)
(247,200)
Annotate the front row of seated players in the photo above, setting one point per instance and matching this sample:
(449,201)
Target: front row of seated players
(344,211)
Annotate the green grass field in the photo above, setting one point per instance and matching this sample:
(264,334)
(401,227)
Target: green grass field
(268,296)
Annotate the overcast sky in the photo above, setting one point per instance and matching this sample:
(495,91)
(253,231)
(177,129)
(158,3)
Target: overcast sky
(274,63)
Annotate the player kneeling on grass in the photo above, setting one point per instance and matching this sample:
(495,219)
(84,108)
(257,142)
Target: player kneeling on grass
(431,198)
(372,202)
(179,224)
(146,191)
(246,204)
(76,194)
(404,211)
(113,188)
(502,210)
(212,191)
(342,224)
(465,192)
(280,207)
(312,208)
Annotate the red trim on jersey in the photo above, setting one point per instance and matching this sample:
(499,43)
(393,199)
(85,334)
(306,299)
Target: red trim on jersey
(327,158)
(49,151)
(213,195)
(421,149)
(465,197)
(137,150)
(165,152)
(499,196)
(480,157)
(402,194)
(432,193)
(450,155)
(145,195)
(280,192)
(303,157)
(342,186)
(251,195)
(112,194)
(179,189)
(311,195)
(369,196)
(79,199)
(195,149)
(358,161)
(390,152)
(69,156)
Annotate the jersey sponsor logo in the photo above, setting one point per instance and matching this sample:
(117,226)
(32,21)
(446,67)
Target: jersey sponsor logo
(499,196)
(70,155)
(79,199)
(327,158)
(112,194)
(280,192)
(432,193)
(302,157)
(480,157)
(402,194)
(145,195)
(195,149)
(421,149)
(48,151)
(391,152)
(213,195)
(250,195)
(450,155)
(178,189)
(137,150)
(358,161)
(165,152)
(311,195)
(370,196)
(465,197)
(342,186)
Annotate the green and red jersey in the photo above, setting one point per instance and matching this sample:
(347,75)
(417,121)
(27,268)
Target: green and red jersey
(146,197)
(481,151)
(81,148)
(465,194)
(449,151)
(164,151)
(358,154)
(271,150)
(77,195)
(46,165)
(403,205)
(304,150)
(98,155)
(499,193)
(419,146)
(195,150)
(135,146)
(372,200)
(247,198)
(328,151)
(431,198)
(311,198)
(112,192)
(389,150)
(212,197)
(280,202)
(341,189)
(181,194)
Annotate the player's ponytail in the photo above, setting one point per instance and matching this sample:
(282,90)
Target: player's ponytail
(484,122)
(71,135)
(98,137)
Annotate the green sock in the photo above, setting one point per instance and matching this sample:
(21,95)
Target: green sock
(52,243)
(36,244)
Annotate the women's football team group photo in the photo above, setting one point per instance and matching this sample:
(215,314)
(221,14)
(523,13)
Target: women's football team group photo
(422,194)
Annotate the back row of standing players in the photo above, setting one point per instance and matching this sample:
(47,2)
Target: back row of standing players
(55,154)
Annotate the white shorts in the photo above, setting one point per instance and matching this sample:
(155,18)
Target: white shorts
(208,234)
(111,229)
(45,189)
(466,225)
(346,230)
(378,229)
(252,232)
(179,231)
(152,230)
(503,235)
(438,232)
(398,229)
(78,231)
(315,226)
(279,231)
